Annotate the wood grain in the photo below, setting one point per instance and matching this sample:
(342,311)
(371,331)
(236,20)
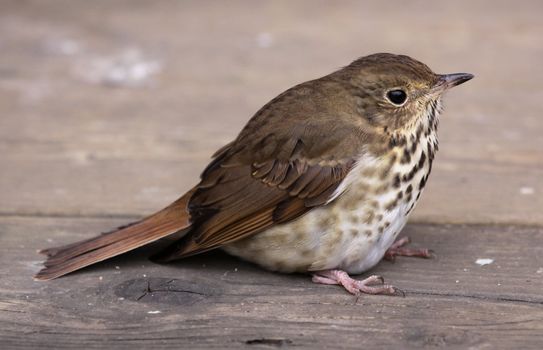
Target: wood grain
(216,301)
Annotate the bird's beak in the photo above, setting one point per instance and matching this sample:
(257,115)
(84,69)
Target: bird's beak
(447,81)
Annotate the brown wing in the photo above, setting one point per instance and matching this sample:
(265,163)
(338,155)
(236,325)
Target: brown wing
(281,165)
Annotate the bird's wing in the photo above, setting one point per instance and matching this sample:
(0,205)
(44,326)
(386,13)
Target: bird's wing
(278,168)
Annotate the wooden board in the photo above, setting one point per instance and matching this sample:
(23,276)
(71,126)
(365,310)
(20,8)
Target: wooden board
(216,301)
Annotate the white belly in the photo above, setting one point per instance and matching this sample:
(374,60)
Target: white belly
(351,233)
(371,251)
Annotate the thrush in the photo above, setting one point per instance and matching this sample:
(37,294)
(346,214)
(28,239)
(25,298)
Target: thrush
(321,180)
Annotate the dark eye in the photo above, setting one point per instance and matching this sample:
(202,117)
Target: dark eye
(397,97)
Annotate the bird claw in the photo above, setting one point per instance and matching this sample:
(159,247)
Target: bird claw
(399,292)
(356,287)
(398,249)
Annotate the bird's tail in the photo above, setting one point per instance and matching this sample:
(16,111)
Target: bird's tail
(72,257)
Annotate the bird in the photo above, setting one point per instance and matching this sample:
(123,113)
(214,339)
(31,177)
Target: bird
(320,181)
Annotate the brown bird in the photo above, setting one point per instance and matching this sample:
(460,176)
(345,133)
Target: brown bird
(321,180)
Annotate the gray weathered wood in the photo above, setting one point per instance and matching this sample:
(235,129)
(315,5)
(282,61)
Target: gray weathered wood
(214,300)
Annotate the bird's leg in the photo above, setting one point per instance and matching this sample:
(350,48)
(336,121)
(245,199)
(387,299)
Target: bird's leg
(398,249)
(354,286)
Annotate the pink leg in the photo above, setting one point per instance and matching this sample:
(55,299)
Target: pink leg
(323,280)
(397,249)
(354,286)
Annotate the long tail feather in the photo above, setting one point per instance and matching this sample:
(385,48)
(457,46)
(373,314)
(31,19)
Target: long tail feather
(63,260)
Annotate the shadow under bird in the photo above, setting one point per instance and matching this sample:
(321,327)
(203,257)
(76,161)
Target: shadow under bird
(321,180)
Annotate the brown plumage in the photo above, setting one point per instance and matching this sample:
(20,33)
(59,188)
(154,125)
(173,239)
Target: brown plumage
(296,154)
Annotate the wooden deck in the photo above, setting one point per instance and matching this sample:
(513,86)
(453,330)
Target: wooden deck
(108,111)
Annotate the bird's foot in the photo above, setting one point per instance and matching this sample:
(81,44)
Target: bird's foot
(398,249)
(355,286)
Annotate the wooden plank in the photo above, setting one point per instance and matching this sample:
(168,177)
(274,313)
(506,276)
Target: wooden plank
(215,301)
(71,146)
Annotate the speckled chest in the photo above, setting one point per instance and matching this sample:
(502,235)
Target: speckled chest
(356,228)
(375,208)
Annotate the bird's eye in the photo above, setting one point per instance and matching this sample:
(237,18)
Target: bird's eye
(397,97)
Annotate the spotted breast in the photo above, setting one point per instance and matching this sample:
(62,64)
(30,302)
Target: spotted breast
(354,230)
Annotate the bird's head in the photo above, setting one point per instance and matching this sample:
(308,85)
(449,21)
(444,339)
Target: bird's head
(396,91)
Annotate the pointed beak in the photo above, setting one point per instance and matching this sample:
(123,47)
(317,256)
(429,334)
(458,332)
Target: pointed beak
(447,81)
